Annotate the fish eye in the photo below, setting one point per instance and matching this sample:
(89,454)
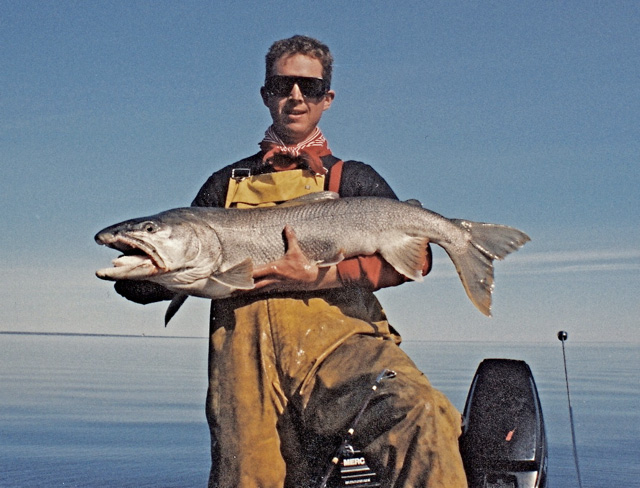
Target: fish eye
(149,227)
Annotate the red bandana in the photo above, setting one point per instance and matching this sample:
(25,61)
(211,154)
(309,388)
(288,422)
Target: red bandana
(306,153)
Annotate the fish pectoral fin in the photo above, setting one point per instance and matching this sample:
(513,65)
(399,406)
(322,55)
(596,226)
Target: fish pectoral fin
(407,255)
(332,261)
(173,307)
(319,196)
(239,277)
(189,276)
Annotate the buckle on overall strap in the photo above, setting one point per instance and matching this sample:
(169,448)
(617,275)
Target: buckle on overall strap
(240,174)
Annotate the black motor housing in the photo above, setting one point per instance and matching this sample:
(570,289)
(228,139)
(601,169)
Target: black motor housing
(503,444)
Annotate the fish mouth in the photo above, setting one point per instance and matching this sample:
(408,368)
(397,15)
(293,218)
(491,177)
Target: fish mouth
(138,260)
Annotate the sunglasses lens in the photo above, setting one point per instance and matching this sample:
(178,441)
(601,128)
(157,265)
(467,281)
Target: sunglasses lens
(281,86)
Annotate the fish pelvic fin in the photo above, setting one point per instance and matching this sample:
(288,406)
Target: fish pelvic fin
(238,277)
(339,257)
(474,263)
(174,306)
(406,255)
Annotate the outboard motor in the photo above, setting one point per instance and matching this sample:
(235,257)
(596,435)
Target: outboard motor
(503,444)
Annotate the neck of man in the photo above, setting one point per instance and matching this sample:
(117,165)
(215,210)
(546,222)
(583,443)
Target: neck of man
(292,139)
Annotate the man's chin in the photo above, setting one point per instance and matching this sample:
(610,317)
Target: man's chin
(293,133)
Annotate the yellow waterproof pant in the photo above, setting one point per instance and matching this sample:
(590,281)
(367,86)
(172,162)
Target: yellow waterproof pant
(289,374)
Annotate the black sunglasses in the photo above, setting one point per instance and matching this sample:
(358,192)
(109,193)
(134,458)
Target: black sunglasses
(281,86)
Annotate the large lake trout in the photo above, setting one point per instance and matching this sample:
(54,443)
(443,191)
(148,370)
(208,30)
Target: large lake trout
(211,252)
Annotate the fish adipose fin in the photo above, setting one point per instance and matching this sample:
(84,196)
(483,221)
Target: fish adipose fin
(239,277)
(475,262)
(406,255)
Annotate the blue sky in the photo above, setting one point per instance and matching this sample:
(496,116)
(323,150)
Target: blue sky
(522,113)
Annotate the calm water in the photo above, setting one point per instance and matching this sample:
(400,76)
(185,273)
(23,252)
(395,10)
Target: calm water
(88,411)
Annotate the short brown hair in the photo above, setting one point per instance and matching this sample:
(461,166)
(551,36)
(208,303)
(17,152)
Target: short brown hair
(301,45)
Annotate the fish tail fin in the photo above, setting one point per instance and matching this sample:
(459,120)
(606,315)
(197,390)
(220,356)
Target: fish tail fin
(475,262)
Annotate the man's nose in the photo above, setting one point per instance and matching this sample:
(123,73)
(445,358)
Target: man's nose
(295,93)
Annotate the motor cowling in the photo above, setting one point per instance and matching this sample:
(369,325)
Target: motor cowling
(504,442)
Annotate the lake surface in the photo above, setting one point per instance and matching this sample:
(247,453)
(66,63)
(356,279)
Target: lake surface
(114,411)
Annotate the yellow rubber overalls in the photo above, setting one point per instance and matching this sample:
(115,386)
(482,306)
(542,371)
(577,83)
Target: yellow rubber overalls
(288,372)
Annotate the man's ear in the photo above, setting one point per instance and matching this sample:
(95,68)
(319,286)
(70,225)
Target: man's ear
(264,95)
(328,98)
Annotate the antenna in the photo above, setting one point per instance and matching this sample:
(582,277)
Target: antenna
(563,336)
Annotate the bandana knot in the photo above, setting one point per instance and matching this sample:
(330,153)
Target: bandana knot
(307,153)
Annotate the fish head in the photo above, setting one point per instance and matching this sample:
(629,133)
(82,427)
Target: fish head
(168,247)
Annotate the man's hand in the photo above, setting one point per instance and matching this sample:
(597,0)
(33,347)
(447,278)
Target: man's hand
(294,271)
(143,292)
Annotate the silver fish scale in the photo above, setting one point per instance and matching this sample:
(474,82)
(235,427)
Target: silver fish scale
(324,229)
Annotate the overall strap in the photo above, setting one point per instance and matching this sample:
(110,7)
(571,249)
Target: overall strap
(335,176)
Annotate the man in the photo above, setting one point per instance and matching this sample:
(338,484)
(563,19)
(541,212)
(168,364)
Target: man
(292,362)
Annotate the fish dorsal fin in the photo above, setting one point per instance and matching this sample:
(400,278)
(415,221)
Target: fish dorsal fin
(407,255)
(413,202)
(319,196)
(238,277)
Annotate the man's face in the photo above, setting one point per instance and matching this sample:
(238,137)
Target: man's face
(296,116)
